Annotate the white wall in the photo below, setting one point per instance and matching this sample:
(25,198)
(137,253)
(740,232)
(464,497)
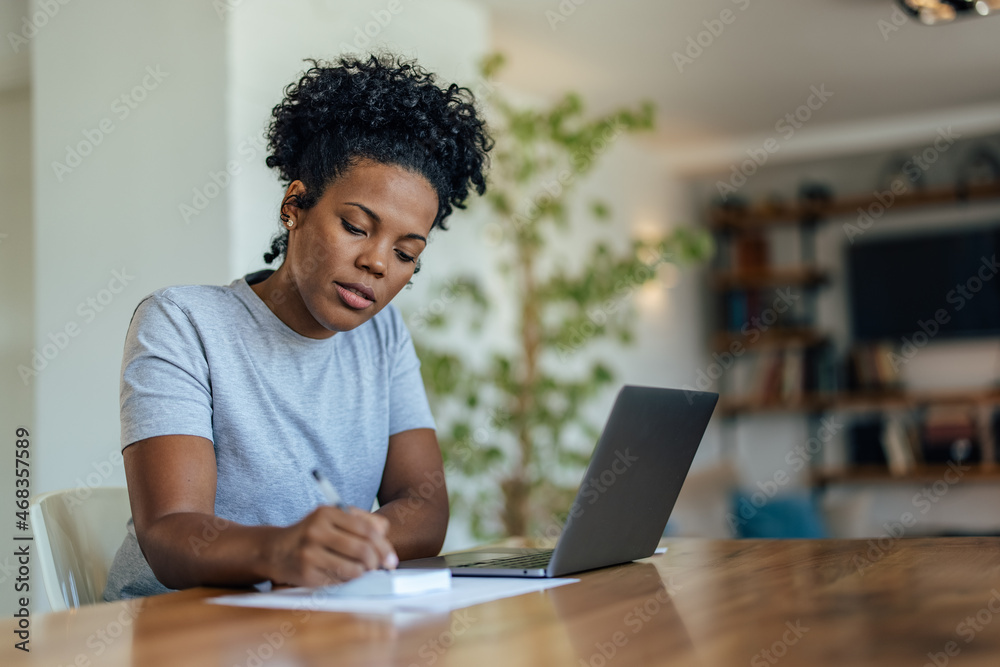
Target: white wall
(17,297)
(16,273)
(116,210)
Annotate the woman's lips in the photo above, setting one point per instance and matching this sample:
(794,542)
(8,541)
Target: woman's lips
(355,296)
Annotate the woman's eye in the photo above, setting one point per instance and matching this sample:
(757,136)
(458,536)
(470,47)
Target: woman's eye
(406,258)
(352,229)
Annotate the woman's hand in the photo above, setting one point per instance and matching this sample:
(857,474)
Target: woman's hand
(328,546)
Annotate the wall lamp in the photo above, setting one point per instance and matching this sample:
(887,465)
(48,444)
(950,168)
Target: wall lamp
(937,12)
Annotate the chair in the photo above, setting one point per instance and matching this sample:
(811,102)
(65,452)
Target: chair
(78,532)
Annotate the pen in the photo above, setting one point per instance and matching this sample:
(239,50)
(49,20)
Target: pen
(330,493)
(328,490)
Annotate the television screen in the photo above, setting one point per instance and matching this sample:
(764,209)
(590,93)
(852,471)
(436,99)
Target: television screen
(896,283)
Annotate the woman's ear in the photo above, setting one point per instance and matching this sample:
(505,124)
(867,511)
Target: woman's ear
(292,198)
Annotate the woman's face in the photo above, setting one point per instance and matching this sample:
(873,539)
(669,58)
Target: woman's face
(352,252)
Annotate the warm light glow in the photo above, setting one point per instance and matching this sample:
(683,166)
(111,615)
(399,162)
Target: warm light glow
(937,14)
(651,297)
(648,229)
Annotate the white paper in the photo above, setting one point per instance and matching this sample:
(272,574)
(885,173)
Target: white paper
(465,592)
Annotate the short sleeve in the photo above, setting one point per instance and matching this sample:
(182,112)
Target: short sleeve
(408,406)
(165,383)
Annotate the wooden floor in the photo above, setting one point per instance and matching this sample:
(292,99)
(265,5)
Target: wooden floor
(754,602)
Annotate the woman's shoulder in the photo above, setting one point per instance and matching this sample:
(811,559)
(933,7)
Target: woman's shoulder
(195,301)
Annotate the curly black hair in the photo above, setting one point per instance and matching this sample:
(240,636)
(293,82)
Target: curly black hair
(386,109)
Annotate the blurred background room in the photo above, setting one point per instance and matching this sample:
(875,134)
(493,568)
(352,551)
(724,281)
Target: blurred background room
(796,204)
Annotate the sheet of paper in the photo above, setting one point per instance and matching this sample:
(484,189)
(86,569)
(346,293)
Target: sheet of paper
(465,592)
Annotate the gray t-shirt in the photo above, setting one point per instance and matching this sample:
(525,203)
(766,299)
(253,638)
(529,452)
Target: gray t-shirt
(215,362)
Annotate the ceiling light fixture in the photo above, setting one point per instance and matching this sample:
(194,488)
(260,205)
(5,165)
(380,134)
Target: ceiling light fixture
(935,12)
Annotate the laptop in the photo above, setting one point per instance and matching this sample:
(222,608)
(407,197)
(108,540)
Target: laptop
(627,493)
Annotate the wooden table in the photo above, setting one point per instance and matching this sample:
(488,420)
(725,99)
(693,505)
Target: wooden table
(757,602)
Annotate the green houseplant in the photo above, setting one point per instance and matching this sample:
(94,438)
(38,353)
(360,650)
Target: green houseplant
(517,415)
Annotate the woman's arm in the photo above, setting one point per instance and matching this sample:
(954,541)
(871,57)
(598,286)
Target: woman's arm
(172,482)
(413,495)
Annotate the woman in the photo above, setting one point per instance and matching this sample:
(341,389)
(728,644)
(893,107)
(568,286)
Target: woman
(232,395)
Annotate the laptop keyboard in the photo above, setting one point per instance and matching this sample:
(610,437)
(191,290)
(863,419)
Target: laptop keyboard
(527,561)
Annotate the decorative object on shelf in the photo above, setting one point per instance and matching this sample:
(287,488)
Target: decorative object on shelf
(901,169)
(815,192)
(731,204)
(981,167)
(949,433)
(815,198)
(774,204)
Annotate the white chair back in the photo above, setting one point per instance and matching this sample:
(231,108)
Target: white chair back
(77,533)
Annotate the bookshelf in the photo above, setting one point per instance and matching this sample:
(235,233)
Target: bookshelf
(774,338)
(772,215)
(800,276)
(765,309)
(925,474)
(743,280)
(857,402)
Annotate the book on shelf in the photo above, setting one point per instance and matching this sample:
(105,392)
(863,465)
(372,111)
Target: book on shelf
(820,373)
(872,367)
(792,386)
(771,376)
(736,310)
(751,253)
(899,449)
(767,376)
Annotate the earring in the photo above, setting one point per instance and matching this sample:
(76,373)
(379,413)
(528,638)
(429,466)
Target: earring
(288,221)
